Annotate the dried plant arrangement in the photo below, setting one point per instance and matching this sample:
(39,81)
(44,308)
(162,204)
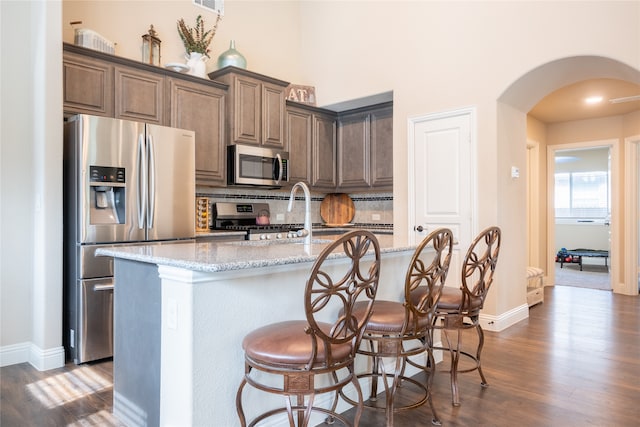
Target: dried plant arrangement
(197,39)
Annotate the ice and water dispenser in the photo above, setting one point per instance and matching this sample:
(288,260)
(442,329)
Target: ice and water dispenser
(107,186)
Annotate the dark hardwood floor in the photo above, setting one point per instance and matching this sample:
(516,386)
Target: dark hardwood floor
(574,362)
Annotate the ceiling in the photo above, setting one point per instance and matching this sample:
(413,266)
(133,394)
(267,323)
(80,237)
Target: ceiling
(568,104)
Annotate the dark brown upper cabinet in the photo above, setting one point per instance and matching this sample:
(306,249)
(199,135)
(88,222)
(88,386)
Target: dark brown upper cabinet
(201,109)
(365,149)
(107,85)
(139,95)
(311,142)
(88,85)
(255,107)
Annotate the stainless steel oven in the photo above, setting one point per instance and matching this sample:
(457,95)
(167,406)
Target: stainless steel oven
(257,166)
(254,219)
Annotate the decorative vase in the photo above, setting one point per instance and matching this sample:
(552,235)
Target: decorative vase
(232,57)
(197,67)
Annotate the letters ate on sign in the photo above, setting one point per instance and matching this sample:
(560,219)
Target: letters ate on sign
(304,94)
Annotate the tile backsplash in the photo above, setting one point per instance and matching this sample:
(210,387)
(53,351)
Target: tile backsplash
(371,209)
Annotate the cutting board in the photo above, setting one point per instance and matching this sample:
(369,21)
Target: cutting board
(337,209)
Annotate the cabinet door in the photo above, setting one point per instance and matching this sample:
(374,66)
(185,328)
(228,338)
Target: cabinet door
(201,108)
(382,149)
(354,151)
(245,123)
(323,171)
(87,85)
(273,115)
(298,139)
(139,95)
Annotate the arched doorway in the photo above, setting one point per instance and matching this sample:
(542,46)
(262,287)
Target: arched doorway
(514,104)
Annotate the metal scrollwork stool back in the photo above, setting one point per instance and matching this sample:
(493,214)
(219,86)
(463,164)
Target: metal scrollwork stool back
(404,330)
(459,307)
(302,359)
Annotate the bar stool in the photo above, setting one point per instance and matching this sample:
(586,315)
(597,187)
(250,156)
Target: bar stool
(301,359)
(459,307)
(401,330)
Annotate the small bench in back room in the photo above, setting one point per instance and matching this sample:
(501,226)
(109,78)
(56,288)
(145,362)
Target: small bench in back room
(577,255)
(535,286)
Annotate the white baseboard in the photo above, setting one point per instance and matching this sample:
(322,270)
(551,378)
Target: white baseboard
(503,321)
(27,352)
(14,354)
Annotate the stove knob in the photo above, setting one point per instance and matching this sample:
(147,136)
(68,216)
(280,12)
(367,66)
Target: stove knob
(268,236)
(263,237)
(279,236)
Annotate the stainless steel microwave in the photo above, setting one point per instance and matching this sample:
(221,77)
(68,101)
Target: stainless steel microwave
(249,165)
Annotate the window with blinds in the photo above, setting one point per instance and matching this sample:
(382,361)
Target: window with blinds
(582,194)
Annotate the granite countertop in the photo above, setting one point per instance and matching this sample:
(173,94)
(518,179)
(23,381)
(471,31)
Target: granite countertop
(235,255)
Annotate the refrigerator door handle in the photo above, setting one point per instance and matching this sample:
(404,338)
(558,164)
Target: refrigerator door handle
(152,181)
(142,182)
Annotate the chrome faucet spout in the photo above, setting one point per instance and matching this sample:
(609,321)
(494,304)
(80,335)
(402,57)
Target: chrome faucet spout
(307,208)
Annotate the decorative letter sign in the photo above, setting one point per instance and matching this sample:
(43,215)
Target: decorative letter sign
(304,94)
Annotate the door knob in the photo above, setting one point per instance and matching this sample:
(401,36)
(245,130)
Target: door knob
(419,229)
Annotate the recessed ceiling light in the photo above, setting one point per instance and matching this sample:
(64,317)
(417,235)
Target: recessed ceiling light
(593,99)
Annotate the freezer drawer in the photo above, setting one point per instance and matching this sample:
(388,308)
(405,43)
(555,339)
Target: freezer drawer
(94,337)
(92,266)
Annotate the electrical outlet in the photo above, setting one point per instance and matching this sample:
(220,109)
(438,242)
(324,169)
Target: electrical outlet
(280,217)
(375,217)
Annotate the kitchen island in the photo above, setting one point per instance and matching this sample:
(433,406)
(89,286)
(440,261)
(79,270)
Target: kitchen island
(181,311)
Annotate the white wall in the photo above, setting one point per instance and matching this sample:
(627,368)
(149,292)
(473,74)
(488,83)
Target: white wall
(434,55)
(438,56)
(31,182)
(17,183)
(582,236)
(265,31)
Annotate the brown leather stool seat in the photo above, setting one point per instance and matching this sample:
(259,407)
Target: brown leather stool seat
(451,301)
(388,317)
(287,344)
(300,360)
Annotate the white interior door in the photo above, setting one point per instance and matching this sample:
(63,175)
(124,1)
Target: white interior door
(440,182)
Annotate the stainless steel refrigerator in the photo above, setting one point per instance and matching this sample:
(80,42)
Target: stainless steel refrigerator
(124,183)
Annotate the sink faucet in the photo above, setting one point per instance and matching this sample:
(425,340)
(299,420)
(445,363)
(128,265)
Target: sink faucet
(307,209)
